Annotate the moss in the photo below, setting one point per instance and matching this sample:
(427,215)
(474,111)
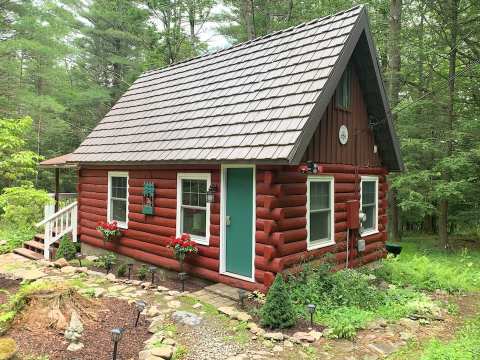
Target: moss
(8,348)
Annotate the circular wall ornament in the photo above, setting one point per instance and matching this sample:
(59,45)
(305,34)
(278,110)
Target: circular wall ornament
(343,134)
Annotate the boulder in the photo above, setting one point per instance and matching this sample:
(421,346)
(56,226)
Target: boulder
(301,336)
(186,318)
(162,288)
(164,352)
(110,277)
(243,316)
(228,310)
(152,311)
(277,336)
(8,348)
(75,346)
(68,269)
(60,263)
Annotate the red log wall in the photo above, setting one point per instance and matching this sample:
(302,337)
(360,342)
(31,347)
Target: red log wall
(281,222)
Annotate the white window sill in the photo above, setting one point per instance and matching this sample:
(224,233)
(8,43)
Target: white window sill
(122,225)
(319,245)
(198,240)
(369,232)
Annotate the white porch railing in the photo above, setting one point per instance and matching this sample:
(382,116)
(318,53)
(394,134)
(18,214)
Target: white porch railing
(58,225)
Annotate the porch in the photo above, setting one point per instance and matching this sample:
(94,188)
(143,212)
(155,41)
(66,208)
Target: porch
(60,217)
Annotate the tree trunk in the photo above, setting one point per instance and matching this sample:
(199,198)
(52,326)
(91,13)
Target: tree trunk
(249,18)
(452,63)
(394,62)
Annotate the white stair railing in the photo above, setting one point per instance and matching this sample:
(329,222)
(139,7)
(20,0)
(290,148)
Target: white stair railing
(59,224)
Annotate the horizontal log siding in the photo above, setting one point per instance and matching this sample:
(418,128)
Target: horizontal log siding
(281,218)
(147,237)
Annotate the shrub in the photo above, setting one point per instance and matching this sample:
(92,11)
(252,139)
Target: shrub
(122,270)
(278,311)
(66,250)
(22,207)
(345,321)
(142,272)
(106,261)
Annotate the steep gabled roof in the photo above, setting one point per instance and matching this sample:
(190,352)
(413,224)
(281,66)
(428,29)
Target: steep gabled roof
(257,101)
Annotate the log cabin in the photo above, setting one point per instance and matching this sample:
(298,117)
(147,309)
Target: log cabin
(269,153)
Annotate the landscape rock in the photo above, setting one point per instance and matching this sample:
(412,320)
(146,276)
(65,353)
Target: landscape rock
(197,305)
(228,310)
(382,347)
(146,284)
(8,348)
(75,328)
(301,336)
(99,292)
(81,270)
(74,346)
(152,311)
(316,334)
(277,336)
(164,352)
(91,258)
(186,318)
(143,355)
(277,348)
(162,288)
(173,292)
(60,263)
(409,324)
(111,277)
(174,304)
(243,316)
(3,242)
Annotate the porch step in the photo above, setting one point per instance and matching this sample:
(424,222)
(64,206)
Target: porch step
(34,246)
(28,253)
(41,239)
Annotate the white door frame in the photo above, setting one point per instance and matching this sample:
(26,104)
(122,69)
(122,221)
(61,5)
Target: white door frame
(223,204)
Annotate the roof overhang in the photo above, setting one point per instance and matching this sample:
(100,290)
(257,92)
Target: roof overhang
(59,162)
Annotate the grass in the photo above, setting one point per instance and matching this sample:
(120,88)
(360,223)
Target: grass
(349,300)
(464,346)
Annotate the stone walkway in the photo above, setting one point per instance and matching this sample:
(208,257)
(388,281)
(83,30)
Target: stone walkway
(218,295)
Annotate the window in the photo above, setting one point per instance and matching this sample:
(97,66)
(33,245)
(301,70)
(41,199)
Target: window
(343,93)
(117,209)
(193,212)
(320,220)
(369,204)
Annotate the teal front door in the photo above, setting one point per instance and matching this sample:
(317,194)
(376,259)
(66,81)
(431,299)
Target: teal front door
(239,221)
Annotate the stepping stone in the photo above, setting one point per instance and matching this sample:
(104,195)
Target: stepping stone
(277,336)
(174,304)
(186,318)
(382,348)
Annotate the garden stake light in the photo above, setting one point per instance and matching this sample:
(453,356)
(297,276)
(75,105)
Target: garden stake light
(182,276)
(242,294)
(130,268)
(152,270)
(116,337)
(79,257)
(311,309)
(139,306)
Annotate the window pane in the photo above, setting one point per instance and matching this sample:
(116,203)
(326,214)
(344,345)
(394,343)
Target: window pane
(119,187)
(319,195)
(194,221)
(194,192)
(119,210)
(369,223)
(320,226)
(368,192)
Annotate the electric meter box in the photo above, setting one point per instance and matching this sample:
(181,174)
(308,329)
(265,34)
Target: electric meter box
(361,245)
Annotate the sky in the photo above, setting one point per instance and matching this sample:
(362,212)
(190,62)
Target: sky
(210,35)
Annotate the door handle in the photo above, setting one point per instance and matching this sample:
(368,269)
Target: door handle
(227,220)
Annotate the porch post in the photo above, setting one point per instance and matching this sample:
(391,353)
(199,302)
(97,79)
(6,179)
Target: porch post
(57,188)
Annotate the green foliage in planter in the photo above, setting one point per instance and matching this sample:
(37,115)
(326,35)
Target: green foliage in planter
(122,270)
(142,272)
(278,311)
(66,250)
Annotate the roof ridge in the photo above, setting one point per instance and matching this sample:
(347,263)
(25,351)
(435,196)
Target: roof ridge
(291,28)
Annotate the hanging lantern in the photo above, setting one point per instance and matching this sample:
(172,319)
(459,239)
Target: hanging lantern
(211,194)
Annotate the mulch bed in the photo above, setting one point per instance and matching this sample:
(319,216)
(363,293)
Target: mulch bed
(10,286)
(96,336)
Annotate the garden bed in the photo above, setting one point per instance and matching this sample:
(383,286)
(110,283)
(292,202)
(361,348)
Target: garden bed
(111,313)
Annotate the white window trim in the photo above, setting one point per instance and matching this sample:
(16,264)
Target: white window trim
(193,176)
(327,242)
(374,230)
(121,224)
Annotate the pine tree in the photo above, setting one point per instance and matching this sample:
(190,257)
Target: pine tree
(278,311)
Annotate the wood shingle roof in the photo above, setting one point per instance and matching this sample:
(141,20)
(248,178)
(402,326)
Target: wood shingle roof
(251,102)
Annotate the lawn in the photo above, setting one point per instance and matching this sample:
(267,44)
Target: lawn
(350,300)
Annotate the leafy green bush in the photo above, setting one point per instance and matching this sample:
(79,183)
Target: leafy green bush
(67,249)
(278,311)
(344,321)
(22,207)
(106,261)
(122,270)
(142,272)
